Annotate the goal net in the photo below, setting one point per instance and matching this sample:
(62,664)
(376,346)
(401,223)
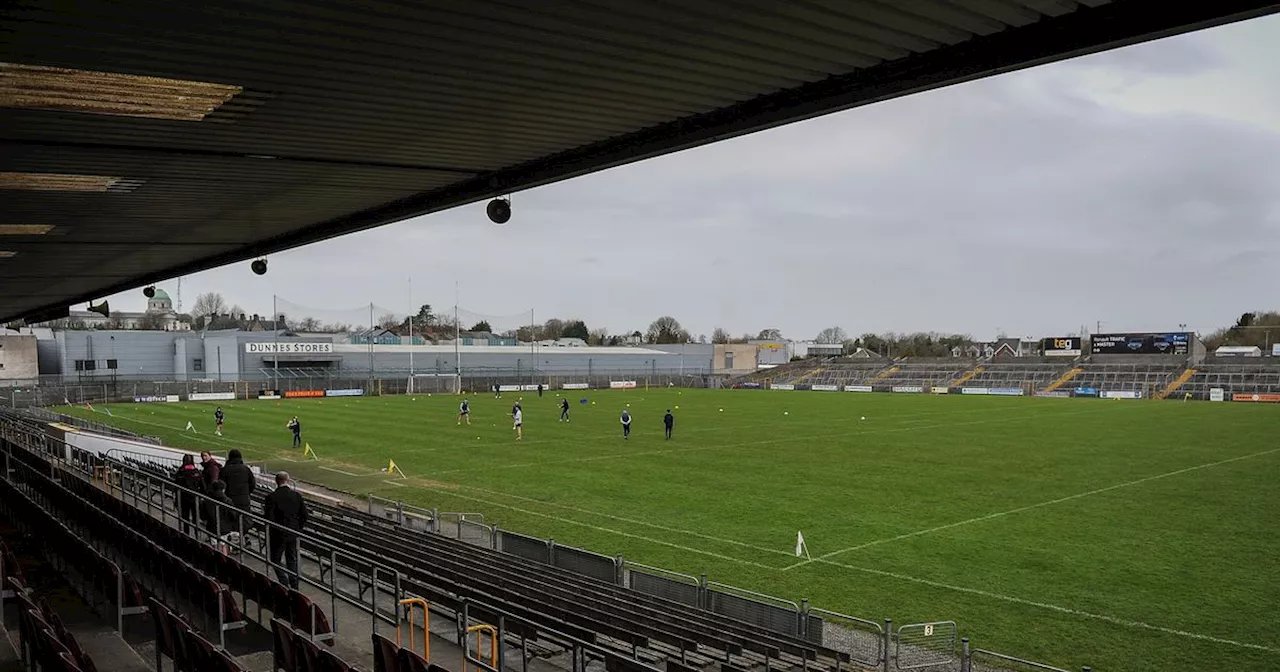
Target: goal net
(434,383)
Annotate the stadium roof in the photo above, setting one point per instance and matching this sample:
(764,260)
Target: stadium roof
(148,139)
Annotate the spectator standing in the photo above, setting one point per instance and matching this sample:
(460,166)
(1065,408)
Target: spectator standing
(239,479)
(286,508)
(211,471)
(189,484)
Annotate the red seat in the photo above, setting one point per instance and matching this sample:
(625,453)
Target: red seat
(330,662)
(307,617)
(410,661)
(385,654)
(306,654)
(282,649)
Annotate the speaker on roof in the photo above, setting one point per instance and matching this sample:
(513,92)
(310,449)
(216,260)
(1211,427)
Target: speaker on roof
(102,309)
(149,291)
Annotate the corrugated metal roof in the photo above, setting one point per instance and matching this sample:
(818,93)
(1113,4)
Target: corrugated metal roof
(329,116)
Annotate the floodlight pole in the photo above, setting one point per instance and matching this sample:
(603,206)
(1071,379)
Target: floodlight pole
(275,322)
(410,333)
(457,337)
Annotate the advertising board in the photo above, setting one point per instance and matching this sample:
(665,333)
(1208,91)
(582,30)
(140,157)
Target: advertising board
(1140,344)
(974,390)
(576,386)
(941,390)
(782,386)
(1257,397)
(1086,391)
(172,398)
(913,389)
(1061,346)
(303,394)
(148,400)
(510,388)
(1054,394)
(858,388)
(211,396)
(288,348)
(268,395)
(1007,391)
(1217,394)
(352,392)
(825,388)
(1121,394)
(1275,349)
(622,384)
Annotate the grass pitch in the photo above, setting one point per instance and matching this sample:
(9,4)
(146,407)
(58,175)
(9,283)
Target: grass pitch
(1126,535)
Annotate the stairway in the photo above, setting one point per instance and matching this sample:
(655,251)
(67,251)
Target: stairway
(1177,383)
(884,374)
(1075,371)
(966,377)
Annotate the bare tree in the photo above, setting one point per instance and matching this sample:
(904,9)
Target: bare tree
(719,335)
(151,322)
(666,329)
(209,303)
(389,322)
(770,334)
(308,324)
(552,329)
(702,338)
(599,336)
(832,335)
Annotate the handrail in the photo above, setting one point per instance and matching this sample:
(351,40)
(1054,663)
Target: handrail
(480,629)
(409,603)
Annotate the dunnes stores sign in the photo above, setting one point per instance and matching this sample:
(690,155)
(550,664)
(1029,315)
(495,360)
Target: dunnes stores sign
(288,348)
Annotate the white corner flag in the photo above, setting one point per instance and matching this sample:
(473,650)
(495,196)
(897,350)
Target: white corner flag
(802,549)
(190,427)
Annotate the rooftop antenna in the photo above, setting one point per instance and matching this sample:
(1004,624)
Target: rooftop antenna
(178,305)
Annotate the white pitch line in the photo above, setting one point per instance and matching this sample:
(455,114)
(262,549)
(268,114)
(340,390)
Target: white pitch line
(396,483)
(1115,620)
(340,471)
(1054,607)
(629,535)
(1029,507)
(765,442)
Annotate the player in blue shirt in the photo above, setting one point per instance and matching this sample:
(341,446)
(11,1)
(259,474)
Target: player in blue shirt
(626,425)
(464,411)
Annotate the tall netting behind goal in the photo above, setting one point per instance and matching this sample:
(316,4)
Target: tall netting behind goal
(304,319)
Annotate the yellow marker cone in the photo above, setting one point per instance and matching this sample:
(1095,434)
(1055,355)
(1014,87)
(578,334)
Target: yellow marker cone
(306,450)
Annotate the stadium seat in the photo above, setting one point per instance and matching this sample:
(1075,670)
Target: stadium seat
(410,661)
(306,653)
(283,646)
(385,654)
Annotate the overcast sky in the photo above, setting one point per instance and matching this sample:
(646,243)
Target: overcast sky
(1138,188)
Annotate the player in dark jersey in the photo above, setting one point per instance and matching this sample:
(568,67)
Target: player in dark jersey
(564,409)
(464,411)
(218,417)
(626,424)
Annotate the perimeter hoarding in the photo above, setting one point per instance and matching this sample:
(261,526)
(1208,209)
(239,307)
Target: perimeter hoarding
(1140,344)
(1062,346)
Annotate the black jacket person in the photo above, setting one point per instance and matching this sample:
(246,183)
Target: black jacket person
(286,508)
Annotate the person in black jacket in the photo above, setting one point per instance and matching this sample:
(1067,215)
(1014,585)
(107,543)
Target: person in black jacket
(189,483)
(219,513)
(239,479)
(288,511)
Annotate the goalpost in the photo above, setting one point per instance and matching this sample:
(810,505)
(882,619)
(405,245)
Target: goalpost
(434,383)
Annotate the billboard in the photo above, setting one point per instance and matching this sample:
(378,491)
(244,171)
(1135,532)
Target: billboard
(1264,398)
(211,396)
(1064,346)
(1140,344)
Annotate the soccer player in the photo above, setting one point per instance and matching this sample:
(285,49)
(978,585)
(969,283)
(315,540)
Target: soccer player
(497,391)
(218,417)
(515,407)
(540,390)
(669,421)
(464,411)
(564,409)
(518,416)
(626,424)
(296,427)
